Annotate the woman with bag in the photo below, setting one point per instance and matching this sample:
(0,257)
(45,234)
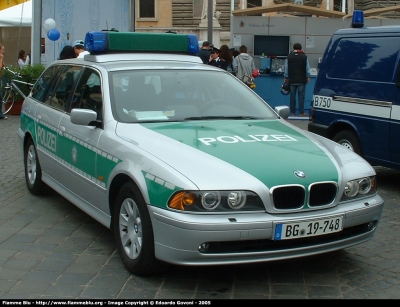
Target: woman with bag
(244,65)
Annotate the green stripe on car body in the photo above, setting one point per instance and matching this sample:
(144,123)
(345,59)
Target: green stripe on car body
(84,158)
(159,190)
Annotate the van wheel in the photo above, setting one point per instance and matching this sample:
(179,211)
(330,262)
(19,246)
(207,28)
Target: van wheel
(134,233)
(33,171)
(349,140)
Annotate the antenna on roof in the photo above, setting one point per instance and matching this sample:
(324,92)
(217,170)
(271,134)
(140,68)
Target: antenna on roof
(112,29)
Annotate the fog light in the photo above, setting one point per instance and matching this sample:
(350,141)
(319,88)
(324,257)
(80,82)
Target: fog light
(203,248)
(371,225)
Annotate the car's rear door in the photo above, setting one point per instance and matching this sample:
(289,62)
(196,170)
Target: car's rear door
(56,85)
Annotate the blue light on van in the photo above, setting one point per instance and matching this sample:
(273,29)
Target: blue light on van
(107,42)
(358,19)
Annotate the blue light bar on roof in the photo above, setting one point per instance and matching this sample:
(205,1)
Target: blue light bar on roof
(357,20)
(109,42)
(96,42)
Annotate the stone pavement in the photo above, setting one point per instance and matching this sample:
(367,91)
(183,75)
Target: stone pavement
(49,249)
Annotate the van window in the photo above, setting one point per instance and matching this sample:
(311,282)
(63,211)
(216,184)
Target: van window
(372,59)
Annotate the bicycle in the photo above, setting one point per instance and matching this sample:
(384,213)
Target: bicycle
(11,90)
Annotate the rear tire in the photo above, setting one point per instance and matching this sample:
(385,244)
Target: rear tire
(349,140)
(8,101)
(134,233)
(33,171)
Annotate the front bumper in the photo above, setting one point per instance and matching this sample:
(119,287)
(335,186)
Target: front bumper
(318,129)
(248,238)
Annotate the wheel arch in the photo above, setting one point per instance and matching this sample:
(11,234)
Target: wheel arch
(339,126)
(115,186)
(27,137)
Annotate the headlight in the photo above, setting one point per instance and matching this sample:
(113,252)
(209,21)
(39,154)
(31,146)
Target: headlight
(351,188)
(210,200)
(359,188)
(365,185)
(236,199)
(216,201)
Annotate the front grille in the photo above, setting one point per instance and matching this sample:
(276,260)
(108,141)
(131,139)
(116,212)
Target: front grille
(293,197)
(322,194)
(252,246)
(288,197)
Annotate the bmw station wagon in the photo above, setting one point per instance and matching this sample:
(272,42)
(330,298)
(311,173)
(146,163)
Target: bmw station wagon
(185,163)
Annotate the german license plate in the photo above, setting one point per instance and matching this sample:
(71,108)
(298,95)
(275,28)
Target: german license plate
(310,228)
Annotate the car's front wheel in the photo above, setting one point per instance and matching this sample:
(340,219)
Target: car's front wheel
(349,140)
(134,233)
(33,171)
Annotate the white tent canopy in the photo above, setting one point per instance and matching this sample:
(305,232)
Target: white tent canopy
(11,17)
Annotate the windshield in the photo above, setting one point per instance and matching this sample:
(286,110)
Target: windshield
(180,95)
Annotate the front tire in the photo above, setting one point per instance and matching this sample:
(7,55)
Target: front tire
(349,140)
(134,233)
(33,171)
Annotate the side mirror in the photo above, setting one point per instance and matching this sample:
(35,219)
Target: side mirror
(83,117)
(283,111)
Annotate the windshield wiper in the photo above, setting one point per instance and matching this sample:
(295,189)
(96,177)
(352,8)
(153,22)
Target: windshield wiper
(221,117)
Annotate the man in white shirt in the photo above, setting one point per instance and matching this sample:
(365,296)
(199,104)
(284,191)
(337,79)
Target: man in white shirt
(79,48)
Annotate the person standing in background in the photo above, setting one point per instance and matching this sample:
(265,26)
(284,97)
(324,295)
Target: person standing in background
(205,51)
(297,75)
(67,52)
(243,63)
(79,47)
(23,59)
(216,60)
(2,65)
(226,55)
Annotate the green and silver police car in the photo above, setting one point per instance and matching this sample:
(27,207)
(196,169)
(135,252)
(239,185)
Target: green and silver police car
(185,163)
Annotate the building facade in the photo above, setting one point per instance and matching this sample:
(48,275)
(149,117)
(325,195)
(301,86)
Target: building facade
(183,16)
(187,16)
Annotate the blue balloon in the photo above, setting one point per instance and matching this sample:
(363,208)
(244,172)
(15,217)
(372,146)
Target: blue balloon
(53,34)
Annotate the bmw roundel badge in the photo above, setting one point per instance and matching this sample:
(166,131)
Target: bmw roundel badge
(300,174)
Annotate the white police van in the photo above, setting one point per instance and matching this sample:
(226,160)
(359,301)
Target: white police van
(357,92)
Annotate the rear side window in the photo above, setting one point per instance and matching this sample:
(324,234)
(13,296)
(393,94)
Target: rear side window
(44,82)
(371,59)
(59,92)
